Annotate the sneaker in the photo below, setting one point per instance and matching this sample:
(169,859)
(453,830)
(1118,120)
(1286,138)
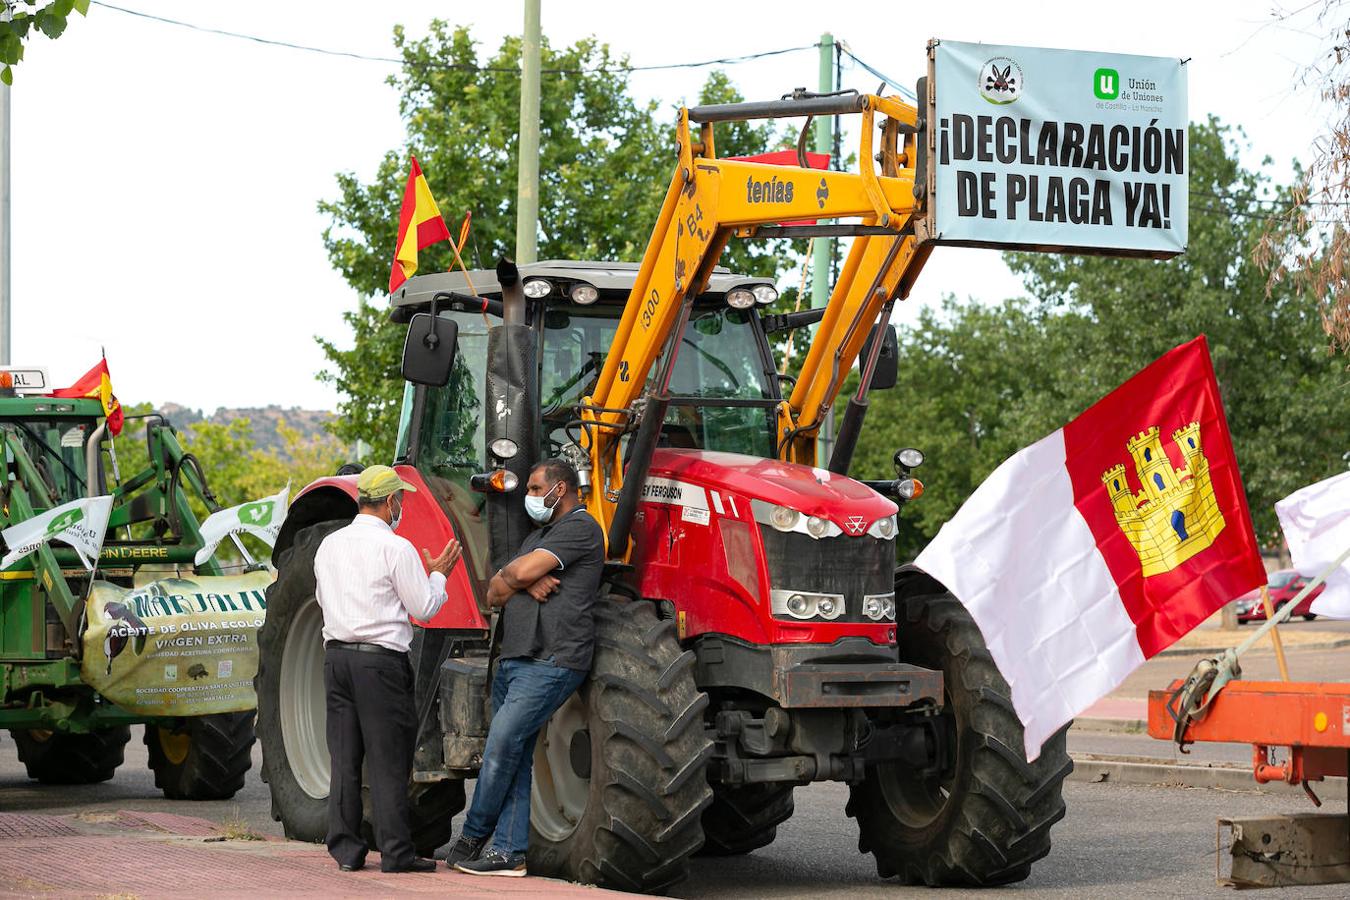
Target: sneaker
(466,849)
(495,862)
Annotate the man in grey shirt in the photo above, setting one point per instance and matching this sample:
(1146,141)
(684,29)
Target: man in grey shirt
(548,633)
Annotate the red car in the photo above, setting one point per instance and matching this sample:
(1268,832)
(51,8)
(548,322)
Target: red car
(1284,585)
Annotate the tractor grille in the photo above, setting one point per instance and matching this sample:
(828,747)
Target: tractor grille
(852,566)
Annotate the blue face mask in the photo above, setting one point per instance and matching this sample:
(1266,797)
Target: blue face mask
(395,517)
(538,508)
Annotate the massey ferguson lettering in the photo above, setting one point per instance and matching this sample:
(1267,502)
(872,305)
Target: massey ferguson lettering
(771,191)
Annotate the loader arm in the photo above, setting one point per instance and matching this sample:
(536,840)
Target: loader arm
(709,202)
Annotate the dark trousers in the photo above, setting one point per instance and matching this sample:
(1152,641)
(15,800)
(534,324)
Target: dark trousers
(371,717)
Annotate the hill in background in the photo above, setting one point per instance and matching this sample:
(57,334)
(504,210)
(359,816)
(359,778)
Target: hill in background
(262,420)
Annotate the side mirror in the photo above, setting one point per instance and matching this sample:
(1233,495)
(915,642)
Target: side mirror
(429,351)
(887,372)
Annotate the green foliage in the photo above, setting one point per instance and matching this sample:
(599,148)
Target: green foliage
(24,18)
(605,163)
(979,382)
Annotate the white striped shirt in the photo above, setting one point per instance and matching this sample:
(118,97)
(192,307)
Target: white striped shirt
(368,581)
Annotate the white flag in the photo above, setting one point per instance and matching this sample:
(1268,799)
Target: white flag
(261,518)
(79,523)
(1316,523)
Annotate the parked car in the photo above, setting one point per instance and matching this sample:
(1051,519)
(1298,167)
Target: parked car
(1284,585)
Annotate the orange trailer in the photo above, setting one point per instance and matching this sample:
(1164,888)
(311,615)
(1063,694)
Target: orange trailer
(1300,733)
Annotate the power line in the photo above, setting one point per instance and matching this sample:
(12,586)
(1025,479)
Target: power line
(467,67)
(904,91)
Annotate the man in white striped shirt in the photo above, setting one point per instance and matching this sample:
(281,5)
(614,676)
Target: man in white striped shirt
(368,581)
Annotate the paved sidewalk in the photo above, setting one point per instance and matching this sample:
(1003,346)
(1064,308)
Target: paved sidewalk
(145,854)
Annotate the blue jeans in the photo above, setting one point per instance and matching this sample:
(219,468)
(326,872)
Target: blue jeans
(525,693)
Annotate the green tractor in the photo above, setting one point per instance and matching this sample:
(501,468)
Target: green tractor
(66,727)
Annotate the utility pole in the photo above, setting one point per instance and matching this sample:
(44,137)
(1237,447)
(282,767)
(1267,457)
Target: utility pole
(820,259)
(527,184)
(5,256)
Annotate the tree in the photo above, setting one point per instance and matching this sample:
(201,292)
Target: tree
(981,381)
(1307,239)
(605,163)
(21,19)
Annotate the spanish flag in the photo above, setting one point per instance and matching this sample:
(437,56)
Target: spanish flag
(419,226)
(97,383)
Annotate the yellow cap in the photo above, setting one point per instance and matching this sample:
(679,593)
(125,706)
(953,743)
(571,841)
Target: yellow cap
(380,481)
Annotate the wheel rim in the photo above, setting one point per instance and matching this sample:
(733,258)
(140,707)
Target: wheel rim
(918,800)
(558,794)
(304,715)
(174,745)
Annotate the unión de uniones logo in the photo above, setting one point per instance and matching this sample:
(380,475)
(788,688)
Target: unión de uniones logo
(1106,84)
(64,521)
(1001,80)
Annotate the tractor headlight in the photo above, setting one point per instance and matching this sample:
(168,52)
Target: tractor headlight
(910,488)
(878,607)
(504,448)
(784,519)
(741,298)
(817,527)
(537,288)
(806,604)
(909,458)
(764,294)
(883,529)
(584,294)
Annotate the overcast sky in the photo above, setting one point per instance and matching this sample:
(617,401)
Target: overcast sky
(166,180)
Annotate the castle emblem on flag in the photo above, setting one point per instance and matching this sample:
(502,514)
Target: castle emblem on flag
(1176,515)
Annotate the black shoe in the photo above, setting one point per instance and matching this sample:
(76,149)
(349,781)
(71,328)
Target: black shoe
(466,849)
(417,865)
(495,862)
(352,867)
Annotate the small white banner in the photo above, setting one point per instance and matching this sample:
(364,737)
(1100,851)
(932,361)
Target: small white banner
(1060,149)
(79,523)
(260,518)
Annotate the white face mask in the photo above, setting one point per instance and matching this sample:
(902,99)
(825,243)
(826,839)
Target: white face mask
(538,508)
(395,517)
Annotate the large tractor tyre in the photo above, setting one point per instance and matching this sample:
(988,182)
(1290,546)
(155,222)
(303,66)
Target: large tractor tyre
(988,819)
(431,806)
(744,818)
(203,757)
(55,758)
(620,771)
(292,710)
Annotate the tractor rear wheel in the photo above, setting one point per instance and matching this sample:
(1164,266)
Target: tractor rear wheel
(202,757)
(988,819)
(620,771)
(292,710)
(52,757)
(745,817)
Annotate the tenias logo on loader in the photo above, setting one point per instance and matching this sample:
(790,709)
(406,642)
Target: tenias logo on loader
(772,190)
(1001,80)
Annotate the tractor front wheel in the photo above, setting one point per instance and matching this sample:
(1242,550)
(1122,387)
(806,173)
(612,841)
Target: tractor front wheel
(620,771)
(52,757)
(202,757)
(987,818)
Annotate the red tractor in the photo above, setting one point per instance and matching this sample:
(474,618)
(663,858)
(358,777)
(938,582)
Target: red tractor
(755,632)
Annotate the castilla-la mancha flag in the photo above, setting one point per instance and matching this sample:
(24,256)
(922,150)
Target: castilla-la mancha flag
(419,226)
(1100,545)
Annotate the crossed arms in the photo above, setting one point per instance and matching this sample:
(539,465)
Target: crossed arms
(528,572)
